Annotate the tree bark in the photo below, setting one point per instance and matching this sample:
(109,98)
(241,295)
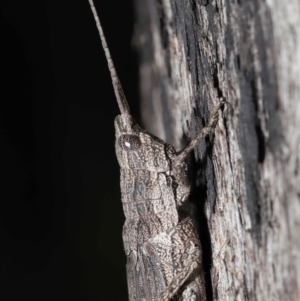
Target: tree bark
(246,175)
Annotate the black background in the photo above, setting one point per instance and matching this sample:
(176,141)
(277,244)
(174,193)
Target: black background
(60,210)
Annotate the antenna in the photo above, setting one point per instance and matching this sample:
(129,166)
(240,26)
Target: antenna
(121,99)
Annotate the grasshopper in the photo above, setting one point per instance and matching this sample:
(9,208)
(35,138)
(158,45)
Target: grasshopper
(161,244)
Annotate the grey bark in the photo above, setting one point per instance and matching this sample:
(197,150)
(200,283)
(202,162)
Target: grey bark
(246,175)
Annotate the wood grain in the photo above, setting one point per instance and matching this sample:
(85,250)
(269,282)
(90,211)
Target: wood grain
(247,191)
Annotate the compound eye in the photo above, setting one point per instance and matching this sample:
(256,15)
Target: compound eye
(129,142)
(171,152)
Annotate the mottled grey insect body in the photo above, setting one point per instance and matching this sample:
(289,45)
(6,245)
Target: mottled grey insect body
(160,241)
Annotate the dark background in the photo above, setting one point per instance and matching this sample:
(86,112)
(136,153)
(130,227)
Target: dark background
(60,210)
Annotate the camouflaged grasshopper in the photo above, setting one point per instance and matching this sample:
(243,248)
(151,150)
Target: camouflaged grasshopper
(161,244)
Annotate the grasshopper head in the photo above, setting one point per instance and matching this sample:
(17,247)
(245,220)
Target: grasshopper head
(137,149)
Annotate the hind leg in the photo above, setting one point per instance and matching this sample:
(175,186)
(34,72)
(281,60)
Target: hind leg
(178,252)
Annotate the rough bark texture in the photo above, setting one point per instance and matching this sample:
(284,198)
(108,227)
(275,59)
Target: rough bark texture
(247,175)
